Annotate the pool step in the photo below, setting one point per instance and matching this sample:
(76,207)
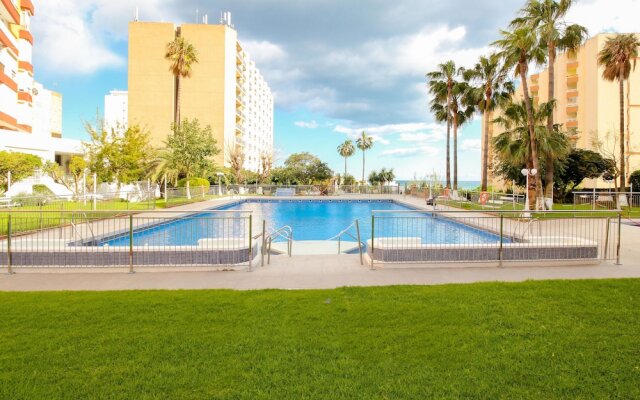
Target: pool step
(315,247)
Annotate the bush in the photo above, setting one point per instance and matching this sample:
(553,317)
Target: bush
(634,180)
(194,182)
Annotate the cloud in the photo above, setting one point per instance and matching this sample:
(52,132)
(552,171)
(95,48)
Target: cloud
(264,52)
(435,136)
(306,125)
(410,151)
(471,145)
(388,128)
(602,16)
(66,42)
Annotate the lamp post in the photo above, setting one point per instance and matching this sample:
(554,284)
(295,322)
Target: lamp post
(528,173)
(220,175)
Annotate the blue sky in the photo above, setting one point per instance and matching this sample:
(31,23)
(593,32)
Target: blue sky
(336,67)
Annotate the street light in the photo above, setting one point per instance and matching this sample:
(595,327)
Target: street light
(220,175)
(528,172)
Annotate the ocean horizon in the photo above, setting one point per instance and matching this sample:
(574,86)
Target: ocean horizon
(461,184)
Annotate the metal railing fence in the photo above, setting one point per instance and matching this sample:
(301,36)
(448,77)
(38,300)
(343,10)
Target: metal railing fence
(465,237)
(606,200)
(134,200)
(109,239)
(303,190)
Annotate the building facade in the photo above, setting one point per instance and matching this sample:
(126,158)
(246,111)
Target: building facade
(30,115)
(226,90)
(588,104)
(116,110)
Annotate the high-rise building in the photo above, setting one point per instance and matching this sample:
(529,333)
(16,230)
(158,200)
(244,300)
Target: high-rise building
(225,91)
(116,110)
(588,104)
(30,115)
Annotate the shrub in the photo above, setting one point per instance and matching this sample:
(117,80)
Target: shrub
(194,182)
(634,180)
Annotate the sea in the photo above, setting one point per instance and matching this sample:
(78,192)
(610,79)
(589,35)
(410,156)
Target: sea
(461,184)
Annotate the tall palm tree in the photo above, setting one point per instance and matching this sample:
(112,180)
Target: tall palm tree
(518,48)
(547,19)
(513,146)
(494,89)
(462,109)
(182,56)
(442,81)
(346,150)
(364,143)
(618,57)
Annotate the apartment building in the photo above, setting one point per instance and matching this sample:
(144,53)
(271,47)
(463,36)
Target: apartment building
(226,90)
(116,111)
(589,104)
(30,115)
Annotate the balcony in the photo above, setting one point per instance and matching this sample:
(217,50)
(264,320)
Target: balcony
(572,64)
(27,5)
(7,80)
(8,40)
(572,79)
(572,123)
(10,12)
(25,97)
(26,35)
(572,108)
(572,93)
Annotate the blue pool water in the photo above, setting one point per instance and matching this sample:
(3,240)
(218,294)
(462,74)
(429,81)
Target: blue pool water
(310,220)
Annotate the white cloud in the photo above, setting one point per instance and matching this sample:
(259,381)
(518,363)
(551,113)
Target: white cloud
(388,129)
(306,125)
(435,136)
(264,52)
(606,15)
(410,151)
(471,145)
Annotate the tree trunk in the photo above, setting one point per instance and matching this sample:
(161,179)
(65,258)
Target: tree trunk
(344,178)
(623,167)
(449,136)
(537,185)
(363,166)
(550,167)
(455,150)
(188,190)
(176,119)
(485,149)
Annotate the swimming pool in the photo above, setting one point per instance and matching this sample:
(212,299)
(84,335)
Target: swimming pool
(309,219)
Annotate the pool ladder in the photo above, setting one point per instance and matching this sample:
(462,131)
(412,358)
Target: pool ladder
(284,232)
(346,232)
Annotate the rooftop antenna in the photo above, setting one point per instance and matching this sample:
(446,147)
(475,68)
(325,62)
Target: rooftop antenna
(137,16)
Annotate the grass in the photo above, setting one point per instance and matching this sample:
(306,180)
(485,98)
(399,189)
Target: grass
(532,340)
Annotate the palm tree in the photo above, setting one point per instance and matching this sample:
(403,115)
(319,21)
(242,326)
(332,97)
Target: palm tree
(441,82)
(462,109)
(518,48)
(513,147)
(346,150)
(546,19)
(618,57)
(364,143)
(493,90)
(182,55)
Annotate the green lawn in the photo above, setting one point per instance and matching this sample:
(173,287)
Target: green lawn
(533,340)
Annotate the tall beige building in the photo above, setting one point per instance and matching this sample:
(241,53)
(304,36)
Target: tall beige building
(589,104)
(225,91)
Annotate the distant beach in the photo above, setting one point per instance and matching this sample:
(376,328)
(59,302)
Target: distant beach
(461,184)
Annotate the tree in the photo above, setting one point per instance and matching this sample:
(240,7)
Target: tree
(346,150)
(462,109)
(441,82)
(546,19)
(188,152)
(580,164)
(634,179)
(493,90)
(182,56)
(513,147)
(20,165)
(364,143)
(266,164)
(120,157)
(517,49)
(235,158)
(77,166)
(303,169)
(618,57)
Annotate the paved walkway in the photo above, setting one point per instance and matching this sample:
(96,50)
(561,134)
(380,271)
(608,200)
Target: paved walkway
(320,272)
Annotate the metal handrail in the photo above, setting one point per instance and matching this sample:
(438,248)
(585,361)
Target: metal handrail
(285,232)
(345,231)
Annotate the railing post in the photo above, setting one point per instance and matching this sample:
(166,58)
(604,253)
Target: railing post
(359,241)
(618,240)
(373,221)
(606,239)
(264,241)
(250,241)
(9,261)
(131,271)
(500,251)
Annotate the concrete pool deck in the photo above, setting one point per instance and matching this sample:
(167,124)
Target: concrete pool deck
(322,272)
